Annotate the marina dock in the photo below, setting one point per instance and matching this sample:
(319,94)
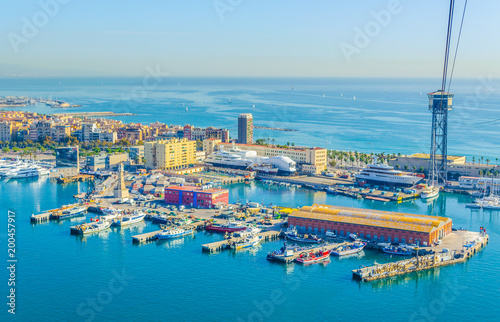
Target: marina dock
(53,213)
(151,236)
(420,263)
(40,217)
(225,244)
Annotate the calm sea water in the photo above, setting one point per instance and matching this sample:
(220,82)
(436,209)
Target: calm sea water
(387,115)
(106,277)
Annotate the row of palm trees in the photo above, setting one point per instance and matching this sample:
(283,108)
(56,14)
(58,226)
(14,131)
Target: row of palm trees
(482,159)
(359,159)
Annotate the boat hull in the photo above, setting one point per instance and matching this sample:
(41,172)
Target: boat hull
(172,236)
(303,240)
(216,229)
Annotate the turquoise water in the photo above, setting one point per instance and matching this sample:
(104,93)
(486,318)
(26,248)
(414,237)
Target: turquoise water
(105,277)
(59,273)
(388,115)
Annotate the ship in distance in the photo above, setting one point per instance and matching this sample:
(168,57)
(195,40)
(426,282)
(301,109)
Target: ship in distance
(248,160)
(385,174)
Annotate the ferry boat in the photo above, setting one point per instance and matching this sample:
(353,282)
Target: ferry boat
(248,242)
(77,211)
(174,233)
(353,248)
(313,257)
(228,227)
(131,219)
(242,159)
(92,227)
(385,174)
(393,250)
(292,234)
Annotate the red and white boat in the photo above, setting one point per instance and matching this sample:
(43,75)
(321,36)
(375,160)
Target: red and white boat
(228,227)
(313,257)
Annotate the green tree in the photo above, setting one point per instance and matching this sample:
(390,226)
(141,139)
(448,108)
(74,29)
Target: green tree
(473,160)
(487,161)
(6,149)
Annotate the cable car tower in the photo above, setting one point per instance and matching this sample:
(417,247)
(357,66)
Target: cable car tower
(440,103)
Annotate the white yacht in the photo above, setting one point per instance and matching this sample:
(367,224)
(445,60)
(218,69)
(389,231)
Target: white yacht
(385,174)
(242,159)
(27,171)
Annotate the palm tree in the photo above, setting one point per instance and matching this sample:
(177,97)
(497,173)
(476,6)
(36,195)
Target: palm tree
(482,158)
(487,161)
(473,160)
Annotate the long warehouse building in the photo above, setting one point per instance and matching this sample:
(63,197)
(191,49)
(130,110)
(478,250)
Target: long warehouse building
(381,226)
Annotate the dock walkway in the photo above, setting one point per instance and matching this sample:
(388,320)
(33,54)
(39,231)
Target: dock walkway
(225,244)
(151,236)
(419,263)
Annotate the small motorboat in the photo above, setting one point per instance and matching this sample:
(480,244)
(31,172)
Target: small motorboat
(393,250)
(353,248)
(248,242)
(313,257)
(292,234)
(174,233)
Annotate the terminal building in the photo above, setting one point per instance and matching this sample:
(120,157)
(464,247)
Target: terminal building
(380,226)
(196,196)
(311,160)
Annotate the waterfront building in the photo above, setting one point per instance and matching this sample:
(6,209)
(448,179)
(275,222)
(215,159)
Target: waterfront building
(480,183)
(106,161)
(457,165)
(311,160)
(421,160)
(170,154)
(196,197)
(67,161)
(209,145)
(245,128)
(5,131)
(96,162)
(376,225)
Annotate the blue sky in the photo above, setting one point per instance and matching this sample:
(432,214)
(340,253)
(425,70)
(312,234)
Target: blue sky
(245,38)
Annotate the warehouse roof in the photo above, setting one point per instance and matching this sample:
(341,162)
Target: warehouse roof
(368,217)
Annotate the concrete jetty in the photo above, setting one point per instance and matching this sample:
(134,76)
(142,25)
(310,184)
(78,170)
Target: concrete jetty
(443,258)
(225,244)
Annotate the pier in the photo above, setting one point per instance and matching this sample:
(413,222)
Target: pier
(53,213)
(151,236)
(225,244)
(420,263)
(40,217)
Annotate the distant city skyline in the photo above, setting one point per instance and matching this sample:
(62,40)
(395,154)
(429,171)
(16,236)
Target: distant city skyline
(245,38)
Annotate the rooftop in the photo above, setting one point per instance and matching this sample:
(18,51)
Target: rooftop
(368,217)
(195,189)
